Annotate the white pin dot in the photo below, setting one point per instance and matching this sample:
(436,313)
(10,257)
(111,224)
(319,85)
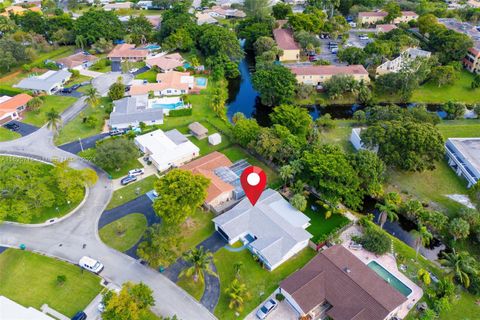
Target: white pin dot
(253,179)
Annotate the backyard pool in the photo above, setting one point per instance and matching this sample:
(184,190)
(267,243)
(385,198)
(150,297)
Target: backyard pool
(169,103)
(152,47)
(169,106)
(390,278)
(201,82)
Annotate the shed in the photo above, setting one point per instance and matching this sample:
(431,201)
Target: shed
(215,139)
(198,130)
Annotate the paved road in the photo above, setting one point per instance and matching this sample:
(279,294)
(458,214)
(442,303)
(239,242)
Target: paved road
(140,71)
(103,82)
(77,235)
(76,146)
(24,128)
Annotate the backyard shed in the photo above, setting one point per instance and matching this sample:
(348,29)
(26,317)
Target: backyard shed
(215,139)
(198,130)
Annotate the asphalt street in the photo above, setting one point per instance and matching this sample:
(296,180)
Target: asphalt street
(76,146)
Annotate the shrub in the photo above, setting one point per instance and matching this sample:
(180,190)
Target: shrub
(61,279)
(280,297)
(374,240)
(180,112)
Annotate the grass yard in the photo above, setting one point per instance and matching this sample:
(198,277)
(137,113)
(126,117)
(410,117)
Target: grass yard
(30,279)
(319,226)
(430,186)
(459,91)
(197,228)
(58,103)
(460,128)
(203,145)
(77,80)
(194,289)
(129,192)
(89,154)
(150,76)
(134,226)
(340,135)
(235,153)
(102,65)
(77,128)
(6,134)
(260,282)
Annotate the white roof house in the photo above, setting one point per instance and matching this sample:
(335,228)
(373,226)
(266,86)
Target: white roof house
(49,82)
(167,149)
(402,61)
(273,230)
(464,157)
(130,111)
(13,311)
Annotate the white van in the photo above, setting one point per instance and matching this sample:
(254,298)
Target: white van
(91,264)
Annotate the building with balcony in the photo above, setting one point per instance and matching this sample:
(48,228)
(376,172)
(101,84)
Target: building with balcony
(464,157)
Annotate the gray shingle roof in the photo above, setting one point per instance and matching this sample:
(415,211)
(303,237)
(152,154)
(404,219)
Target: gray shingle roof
(44,82)
(134,109)
(176,136)
(276,224)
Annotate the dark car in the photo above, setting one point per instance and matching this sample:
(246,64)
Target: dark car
(67,90)
(80,315)
(12,126)
(127,180)
(75,86)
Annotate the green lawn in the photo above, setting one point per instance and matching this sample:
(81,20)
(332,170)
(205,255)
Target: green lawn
(134,224)
(30,279)
(319,226)
(430,186)
(460,128)
(77,128)
(235,153)
(203,145)
(58,103)
(194,289)
(339,135)
(6,134)
(197,228)
(150,76)
(77,80)
(260,282)
(130,192)
(101,66)
(459,91)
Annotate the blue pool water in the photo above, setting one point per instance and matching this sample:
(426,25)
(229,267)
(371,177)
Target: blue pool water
(201,81)
(152,47)
(170,106)
(186,65)
(390,278)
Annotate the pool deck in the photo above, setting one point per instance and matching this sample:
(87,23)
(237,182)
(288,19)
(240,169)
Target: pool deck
(388,262)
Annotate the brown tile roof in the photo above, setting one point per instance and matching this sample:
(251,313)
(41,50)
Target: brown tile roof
(372,14)
(154,20)
(284,39)
(13,103)
(126,50)
(354,290)
(385,27)
(205,166)
(166,62)
(329,70)
(168,80)
(77,59)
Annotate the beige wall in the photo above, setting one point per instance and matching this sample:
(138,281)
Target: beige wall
(221,199)
(315,79)
(377,19)
(290,55)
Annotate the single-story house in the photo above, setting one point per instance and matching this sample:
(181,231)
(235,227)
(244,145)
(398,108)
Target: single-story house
(126,51)
(272,230)
(117,5)
(198,130)
(316,75)
(402,61)
(219,191)
(168,149)
(79,60)
(225,12)
(338,285)
(130,111)
(374,17)
(11,108)
(384,28)
(205,18)
(172,83)
(215,139)
(11,310)
(49,82)
(154,20)
(286,42)
(18,10)
(464,157)
(166,62)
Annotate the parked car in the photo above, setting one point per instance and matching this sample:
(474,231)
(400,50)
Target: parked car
(133,70)
(363,37)
(66,90)
(334,50)
(127,180)
(90,264)
(80,315)
(136,172)
(116,132)
(12,126)
(332,44)
(267,308)
(352,24)
(101,307)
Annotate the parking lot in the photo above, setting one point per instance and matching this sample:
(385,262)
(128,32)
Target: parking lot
(354,38)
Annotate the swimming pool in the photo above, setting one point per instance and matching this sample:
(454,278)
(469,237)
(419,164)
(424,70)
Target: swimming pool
(152,47)
(201,82)
(390,278)
(169,106)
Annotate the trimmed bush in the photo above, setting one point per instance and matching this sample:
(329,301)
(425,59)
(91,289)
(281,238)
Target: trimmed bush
(180,112)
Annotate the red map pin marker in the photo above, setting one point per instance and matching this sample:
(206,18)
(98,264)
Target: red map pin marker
(253,181)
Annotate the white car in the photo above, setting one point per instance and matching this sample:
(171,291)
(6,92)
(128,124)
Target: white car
(133,70)
(363,37)
(266,309)
(136,172)
(91,264)
(101,307)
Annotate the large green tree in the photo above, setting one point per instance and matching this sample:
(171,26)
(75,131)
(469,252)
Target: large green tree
(115,153)
(95,24)
(161,245)
(407,145)
(275,84)
(296,119)
(131,303)
(181,193)
(245,130)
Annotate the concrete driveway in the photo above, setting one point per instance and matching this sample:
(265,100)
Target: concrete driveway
(283,312)
(24,128)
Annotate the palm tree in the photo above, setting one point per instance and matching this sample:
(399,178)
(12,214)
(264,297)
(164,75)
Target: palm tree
(200,261)
(422,237)
(237,292)
(35,103)
(93,98)
(286,174)
(54,120)
(387,212)
(461,265)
